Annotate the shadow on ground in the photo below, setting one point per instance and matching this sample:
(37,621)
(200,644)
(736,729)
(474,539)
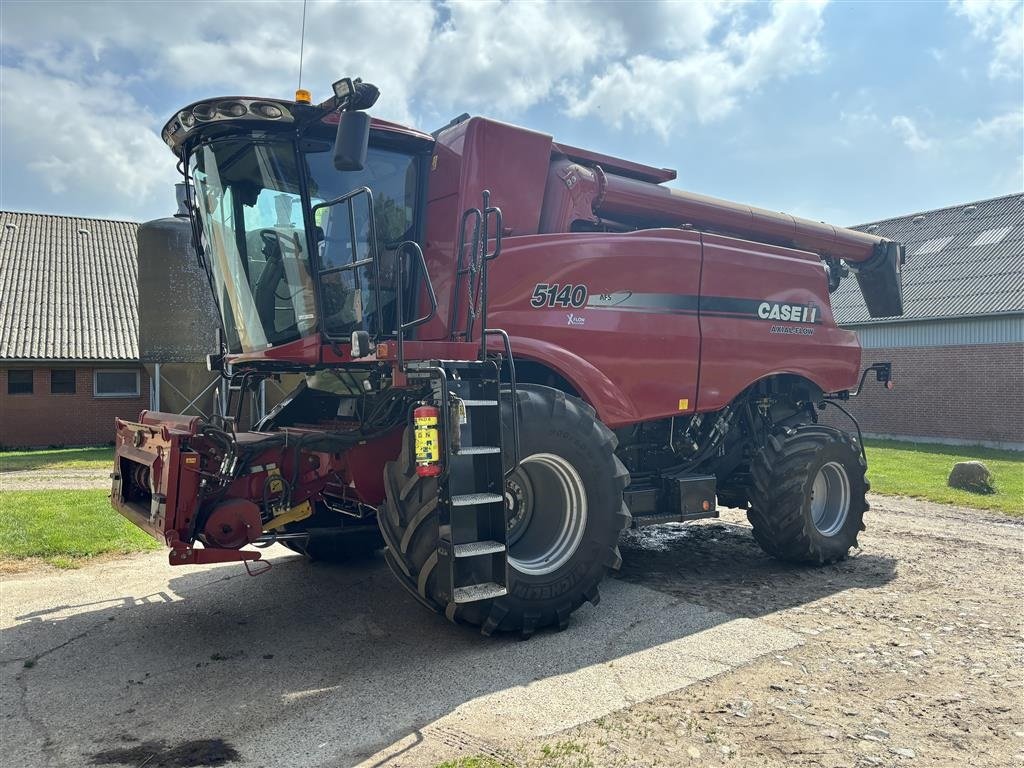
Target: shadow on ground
(719,565)
(315,665)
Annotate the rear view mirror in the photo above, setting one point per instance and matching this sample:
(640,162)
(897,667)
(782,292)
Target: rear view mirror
(351,141)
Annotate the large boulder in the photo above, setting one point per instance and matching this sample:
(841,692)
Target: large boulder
(971,476)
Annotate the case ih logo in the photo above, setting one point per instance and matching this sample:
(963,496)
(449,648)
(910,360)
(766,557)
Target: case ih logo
(794,313)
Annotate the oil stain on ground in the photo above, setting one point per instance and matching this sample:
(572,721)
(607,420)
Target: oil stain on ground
(156,754)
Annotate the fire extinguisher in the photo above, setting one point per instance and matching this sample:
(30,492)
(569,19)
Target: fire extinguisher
(427,441)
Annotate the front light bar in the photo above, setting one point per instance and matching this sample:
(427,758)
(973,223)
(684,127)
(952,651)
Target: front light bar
(234,108)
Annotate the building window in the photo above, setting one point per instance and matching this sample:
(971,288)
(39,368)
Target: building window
(109,383)
(62,381)
(19,382)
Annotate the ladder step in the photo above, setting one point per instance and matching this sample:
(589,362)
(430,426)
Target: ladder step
(476,548)
(476,450)
(472,403)
(476,592)
(469,499)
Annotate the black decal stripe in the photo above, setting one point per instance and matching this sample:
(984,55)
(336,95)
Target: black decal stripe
(688,304)
(645,302)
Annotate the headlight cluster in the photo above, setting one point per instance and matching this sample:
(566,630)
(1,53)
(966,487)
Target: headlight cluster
(221,109)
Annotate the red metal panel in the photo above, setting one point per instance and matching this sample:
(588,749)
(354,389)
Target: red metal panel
(363,465)
(616,164)
(740,349)
(470,157)
(632,349)
(304,351)
(633,200)
(156,446)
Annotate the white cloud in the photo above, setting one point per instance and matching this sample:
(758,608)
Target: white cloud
(1009,125)
(656,64)
(72,137)
(912,136)
(1006,128)
(509,57)
(704,82)
(998,23)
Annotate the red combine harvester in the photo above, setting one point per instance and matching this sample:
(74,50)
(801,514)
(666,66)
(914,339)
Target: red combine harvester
(512,349)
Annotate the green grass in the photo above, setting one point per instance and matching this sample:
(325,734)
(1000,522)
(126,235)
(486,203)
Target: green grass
(921,469)
(58,458)
(477,761)
(62,527)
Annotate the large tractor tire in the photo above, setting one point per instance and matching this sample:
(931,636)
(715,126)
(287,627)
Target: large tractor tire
(329,544)
(566,511)
(808,495)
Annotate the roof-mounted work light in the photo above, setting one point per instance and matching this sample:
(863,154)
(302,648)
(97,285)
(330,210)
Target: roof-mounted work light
(353,135)
(352,94)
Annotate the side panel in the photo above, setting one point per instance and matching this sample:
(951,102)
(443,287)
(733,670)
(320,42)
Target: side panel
(625,332)
(766,310)
(512,163)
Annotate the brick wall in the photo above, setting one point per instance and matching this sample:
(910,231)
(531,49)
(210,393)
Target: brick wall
(972,393)
(43,419)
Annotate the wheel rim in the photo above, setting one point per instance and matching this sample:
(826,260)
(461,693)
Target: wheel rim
(547,514)
(830,498)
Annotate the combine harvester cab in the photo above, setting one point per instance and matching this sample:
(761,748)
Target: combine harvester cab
(510,350)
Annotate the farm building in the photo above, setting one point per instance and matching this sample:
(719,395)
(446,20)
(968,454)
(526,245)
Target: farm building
(73,352)
(69,353)
(958,350)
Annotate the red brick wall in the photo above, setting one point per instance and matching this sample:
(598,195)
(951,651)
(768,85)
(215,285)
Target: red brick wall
(42,419)
(970,393)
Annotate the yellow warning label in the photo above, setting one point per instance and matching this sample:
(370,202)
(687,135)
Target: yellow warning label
(427,448)
(684,404)
(276,484)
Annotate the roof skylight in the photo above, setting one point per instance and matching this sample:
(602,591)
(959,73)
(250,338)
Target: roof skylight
(934,245)
(991,236)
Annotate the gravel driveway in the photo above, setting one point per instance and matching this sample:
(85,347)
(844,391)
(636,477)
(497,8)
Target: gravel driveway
(913,652)
(703,652)
(55,479)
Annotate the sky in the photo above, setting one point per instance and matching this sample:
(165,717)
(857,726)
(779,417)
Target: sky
(847,112)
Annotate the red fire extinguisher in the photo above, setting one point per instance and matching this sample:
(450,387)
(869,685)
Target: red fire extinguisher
(427,441)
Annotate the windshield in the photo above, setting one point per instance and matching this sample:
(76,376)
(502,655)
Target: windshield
(253,222)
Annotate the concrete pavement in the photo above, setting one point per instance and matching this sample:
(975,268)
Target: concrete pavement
(317,665)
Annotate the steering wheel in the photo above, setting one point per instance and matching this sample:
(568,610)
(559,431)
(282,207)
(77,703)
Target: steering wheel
(272,252)
(271,242)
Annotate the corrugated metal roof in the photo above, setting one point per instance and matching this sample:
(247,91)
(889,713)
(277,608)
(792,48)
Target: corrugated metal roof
(962,261)
(67,288)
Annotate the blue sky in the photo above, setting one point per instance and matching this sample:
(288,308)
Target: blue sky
(848,112)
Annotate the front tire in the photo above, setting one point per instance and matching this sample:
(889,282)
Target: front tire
(329,543)
(566,512)
(808,495)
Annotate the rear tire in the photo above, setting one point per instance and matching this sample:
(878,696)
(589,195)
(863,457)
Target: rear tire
(808,495)
(564,448)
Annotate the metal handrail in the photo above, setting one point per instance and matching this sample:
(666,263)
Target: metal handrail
(469,269)
(400,324)
(355,264)
(507,343)
(485,257)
